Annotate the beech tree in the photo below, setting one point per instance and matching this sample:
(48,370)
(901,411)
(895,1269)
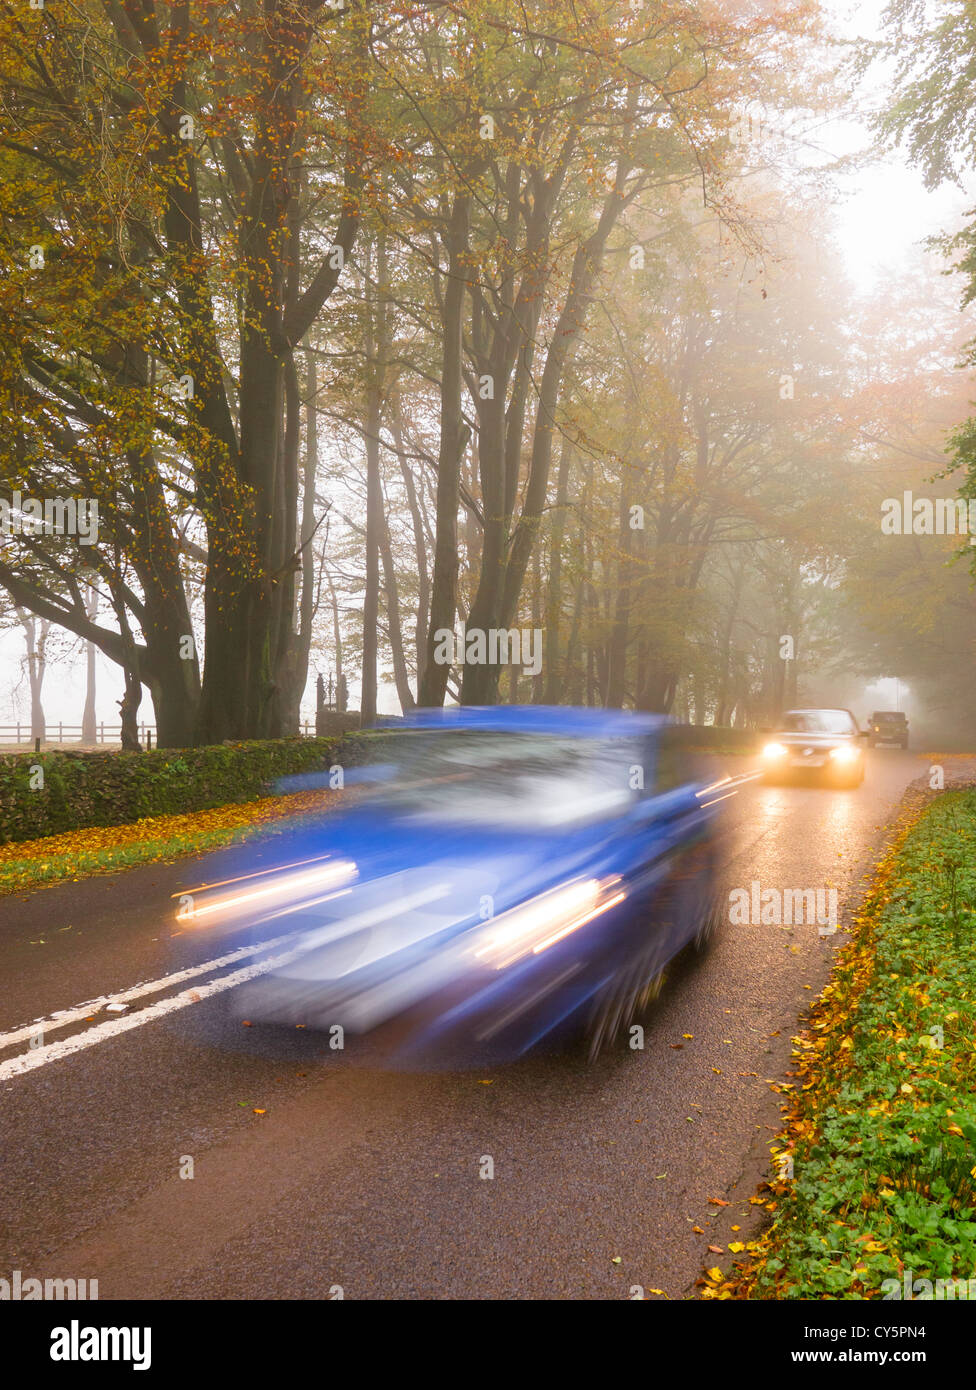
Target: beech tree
(161,269)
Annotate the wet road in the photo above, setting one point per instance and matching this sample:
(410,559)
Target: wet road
(370,1183)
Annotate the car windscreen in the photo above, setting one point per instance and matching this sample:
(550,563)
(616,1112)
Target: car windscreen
(819,721)
(519,779)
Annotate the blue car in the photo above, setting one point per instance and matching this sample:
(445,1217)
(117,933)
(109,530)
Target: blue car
(497,879)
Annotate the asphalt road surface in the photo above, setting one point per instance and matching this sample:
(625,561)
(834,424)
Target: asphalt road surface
(369,1183)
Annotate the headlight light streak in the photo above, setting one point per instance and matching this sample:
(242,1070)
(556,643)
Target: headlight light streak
(283,887)
(539,924)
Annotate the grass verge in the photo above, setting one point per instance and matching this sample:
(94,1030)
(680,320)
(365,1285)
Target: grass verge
(78,854)
(880,1113)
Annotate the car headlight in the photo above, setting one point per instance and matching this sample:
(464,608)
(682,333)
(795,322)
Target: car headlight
(540,923)
(273,892)
(773,751)
(845,753)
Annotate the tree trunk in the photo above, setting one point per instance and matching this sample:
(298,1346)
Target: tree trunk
(394,626)
(89,733)
(35,636)
(555,676)
(129,711)
(420,546)
(453,440)
(375,350)
(620,632)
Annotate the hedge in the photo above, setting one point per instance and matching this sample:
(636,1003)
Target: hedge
(101,789)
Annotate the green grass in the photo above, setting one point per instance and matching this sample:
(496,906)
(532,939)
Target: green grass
(77,854)
(882,1120)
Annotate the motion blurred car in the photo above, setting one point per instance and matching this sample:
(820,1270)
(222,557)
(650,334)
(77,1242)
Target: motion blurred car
(823,744)
(888,726)
(514,876)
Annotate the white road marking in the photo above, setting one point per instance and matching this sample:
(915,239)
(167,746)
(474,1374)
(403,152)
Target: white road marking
(64,1017)
(53,1052)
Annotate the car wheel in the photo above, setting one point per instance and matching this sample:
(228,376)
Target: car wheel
(622,999)
(712,919)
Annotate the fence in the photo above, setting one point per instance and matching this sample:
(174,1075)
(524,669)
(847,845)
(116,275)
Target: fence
(23,735)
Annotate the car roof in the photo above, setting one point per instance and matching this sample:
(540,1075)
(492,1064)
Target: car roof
(533,719)
(818,709)
(887,714)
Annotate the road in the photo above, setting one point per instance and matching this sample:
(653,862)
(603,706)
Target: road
(369,1182)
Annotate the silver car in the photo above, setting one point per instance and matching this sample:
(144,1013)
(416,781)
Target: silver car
(824,744)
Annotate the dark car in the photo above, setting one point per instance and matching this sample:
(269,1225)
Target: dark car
(823,744)
(888,726)
(516,876)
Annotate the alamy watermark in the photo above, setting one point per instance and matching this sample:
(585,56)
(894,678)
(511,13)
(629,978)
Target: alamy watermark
(17,1289)
(77,1343)
(927,1290)
(63,516)
(756,906)
(496,646)
(909,515)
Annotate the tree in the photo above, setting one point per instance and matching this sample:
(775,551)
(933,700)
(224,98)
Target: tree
(161,272)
